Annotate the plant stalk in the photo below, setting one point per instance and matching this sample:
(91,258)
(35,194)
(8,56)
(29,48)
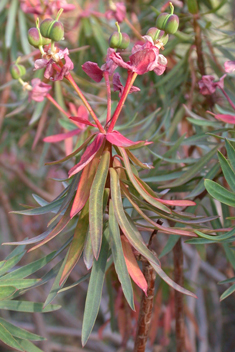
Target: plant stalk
(179,303)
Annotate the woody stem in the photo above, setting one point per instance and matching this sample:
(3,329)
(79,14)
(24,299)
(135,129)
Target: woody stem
(106,77)
(129,82)
(52,100)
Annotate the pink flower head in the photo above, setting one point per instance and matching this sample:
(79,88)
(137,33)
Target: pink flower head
(145,57)
(117,11)
(47,7)
(207,84)
(39,90)
(48,64)
(117,85)
(229,66)
(93,71)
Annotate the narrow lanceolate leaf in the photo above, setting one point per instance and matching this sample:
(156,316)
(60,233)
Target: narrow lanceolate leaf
(137,161)
(27,345)
(8,339)
(133,234)
(220,193)
(88,256)
(59,227)
(27,307)
(87,141)
(61,136)
(94,292)
(218,238)
(116,138)
(88,155)
(77,244)
(7,292)
(11,21)
(95,204)
(20,333)
(228,172)
(41,210)
(9,264)
(231,153)
(82,121)
(118,257)
(137,186)
(18,283)
(169,230)
(193,170)
(133,267)
(228,292)
(84,186)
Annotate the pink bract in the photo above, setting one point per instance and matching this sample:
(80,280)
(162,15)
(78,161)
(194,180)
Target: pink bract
(118,12)
(117,85)
(229,66)
(207,84)
(145,57)
(39,90)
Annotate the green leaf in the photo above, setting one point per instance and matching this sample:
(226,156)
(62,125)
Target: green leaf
(10,263)
(193,170)
(53,206)
(24,33)
(228,172)
(231,153)
(20,333)
(27,307)
(77,244)
(88,256)
(75,283)
(94,292)
(28,346)
(18,283)
(29,269)
(118,257)
(220,193)
(216,238)
(229,254)
(7,292)
(227,281)
(11,21)
(171,242)
(228,292)
(95,204)
(145,195)
(8,339)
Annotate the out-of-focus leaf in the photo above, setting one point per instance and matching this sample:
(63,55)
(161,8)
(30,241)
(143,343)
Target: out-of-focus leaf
(95,287)
(228,172)
(10,263)
(41,210)
(74,284)
(18,283)
(7,292)
(37,111)
(27,307)
(231,153)
(220,193)
(24,33)
(169,245)
(20,333)
(227,281)
(3,4)
(27,345)
(193,170)
(11,21)
(8,339)
(118,257)
(95,204)
(216,238)
(88,256)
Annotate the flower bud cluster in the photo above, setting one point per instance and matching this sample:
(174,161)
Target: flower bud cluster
(119,40)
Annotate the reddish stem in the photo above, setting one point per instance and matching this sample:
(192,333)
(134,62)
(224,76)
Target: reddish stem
(106,77)
(129,82)
(87,105)
(52,100)
(227,97)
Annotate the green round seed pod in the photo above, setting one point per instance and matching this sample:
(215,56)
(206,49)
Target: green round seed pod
(115,40)
(125,41)
(36,39)
(45,26)
(161,20)
(17,71)
(56,31)
(152,32)
(172,24)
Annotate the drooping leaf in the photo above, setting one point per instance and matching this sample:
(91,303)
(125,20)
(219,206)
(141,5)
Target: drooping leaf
(94,292)
(7,292)
(55,205)
(220,193)
(133,267)
(118,257)
(82,120)
(78,243)
(95,204)
(20,333)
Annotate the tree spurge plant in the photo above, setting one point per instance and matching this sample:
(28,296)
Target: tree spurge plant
(104,182)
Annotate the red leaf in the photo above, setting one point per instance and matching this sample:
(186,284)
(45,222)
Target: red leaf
(224,117)
(60,137)
(180,203)
(88,155)
(82,120)
(119,140)
(132,266)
